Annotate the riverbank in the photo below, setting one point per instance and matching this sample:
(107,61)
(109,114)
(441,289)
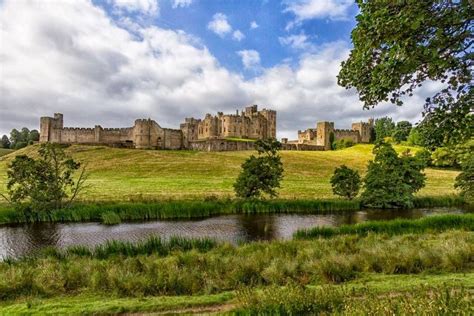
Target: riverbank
(116,212)
(345,273)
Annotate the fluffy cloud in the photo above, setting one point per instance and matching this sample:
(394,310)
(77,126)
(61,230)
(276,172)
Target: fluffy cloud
(181,3)
(297,42)
(148,7)
(253,25)
(317,9)
(219,25)
(73,58)
(238,35)
(250,59)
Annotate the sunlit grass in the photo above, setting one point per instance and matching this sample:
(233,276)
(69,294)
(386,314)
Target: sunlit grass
(126,174)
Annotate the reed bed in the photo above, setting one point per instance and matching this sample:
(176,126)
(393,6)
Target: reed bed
(394,227)
(113,248)
(200,268)
(116,212)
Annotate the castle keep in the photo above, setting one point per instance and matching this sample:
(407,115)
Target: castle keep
(211,133)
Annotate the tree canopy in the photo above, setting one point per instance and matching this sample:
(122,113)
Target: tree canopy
(398,45)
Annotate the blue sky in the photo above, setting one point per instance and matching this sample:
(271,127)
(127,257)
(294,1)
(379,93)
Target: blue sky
(109,62)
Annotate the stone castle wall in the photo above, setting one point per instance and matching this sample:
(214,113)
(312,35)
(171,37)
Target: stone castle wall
(148,134)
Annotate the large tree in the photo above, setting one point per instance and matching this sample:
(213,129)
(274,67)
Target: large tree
(398,45)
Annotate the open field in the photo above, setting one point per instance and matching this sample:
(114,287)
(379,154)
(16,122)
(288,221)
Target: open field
(124,174)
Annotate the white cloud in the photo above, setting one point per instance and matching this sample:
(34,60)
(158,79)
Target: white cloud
(99,73)
(318,9)
(297,42)
(250,58)
(181,3)
(219,25)
(253,25)
(148,7)
(238,35)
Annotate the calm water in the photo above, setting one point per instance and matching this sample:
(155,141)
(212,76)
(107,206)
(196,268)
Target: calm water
(19,240)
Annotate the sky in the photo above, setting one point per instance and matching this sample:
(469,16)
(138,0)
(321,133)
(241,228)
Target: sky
(110,62)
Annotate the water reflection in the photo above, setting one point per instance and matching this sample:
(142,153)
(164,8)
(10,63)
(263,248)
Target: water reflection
(19,240)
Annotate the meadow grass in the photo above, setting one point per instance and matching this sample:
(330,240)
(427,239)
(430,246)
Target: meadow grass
(297,300)
(215,269)
(129,175)
(4,151)
(394,227)
(366,289)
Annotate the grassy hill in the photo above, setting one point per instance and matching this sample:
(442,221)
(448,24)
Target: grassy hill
(123,174)
(4,151)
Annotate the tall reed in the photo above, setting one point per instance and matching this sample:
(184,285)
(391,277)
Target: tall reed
(393,227)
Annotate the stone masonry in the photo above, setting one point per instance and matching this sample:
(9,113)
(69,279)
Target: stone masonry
(213,133)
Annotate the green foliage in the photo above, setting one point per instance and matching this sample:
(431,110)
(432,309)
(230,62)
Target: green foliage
(383,127)
(398,45)
(342,143)
(394,227)
(45,183)
(5,142)
(261,174)
(23,138)
(401,132)
(345,182)
(465,180)
(453,156)
(391,180)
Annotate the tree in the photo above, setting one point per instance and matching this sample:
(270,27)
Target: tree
(384,127)
(261,174)
(5,142)
(398,45)
(33,136)
(45,183)
(402,130)
(345,182)
(465,180)
(391,180)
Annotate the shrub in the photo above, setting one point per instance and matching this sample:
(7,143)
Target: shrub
(391,181)
(345,182)
(342,143)
(261,174)
(465,180)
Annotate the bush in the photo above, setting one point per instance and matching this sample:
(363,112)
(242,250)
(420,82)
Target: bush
(342,143)
(391,181)
(262,174)
(345,182)
(465,180)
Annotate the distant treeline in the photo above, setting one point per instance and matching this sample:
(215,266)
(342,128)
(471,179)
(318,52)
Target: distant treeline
(19,139)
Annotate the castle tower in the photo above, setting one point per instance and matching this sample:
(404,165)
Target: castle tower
(142,134)
(50,128)
(324,132)
(270,116)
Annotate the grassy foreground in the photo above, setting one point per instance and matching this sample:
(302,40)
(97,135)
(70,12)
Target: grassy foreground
(412,273)
(130,175)
(372,291)
(4,151)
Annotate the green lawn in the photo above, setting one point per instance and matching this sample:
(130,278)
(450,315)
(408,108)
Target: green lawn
(123,174)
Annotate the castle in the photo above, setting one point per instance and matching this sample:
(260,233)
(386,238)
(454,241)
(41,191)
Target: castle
(324,134)
(213,133)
